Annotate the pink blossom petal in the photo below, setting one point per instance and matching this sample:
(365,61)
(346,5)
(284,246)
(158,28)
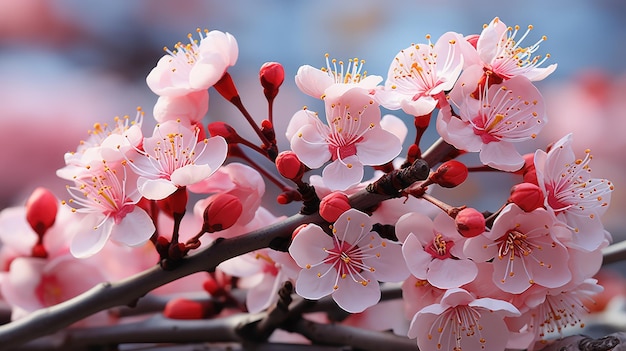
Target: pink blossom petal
(390,265)
(422,106)
(134,229)
(299,120)
(480,248)
(451,273)
(341,175)
(190,174)
(190,108)
(207,71)
(310,146)
(313,81)
(353,227)
(501,155)
(378,147)
(416,258)
(355,297)
(155,189)
(307,248)
(395,126)
(214,155)
(416,223)
(90,240)
(461,135)
(316,282)
(20,283)
(264,294)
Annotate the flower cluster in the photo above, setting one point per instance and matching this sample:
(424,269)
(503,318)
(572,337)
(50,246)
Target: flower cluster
(470,280)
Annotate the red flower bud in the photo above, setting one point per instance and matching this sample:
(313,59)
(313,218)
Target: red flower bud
(272,75)
(181,308)
(333,205)
(450,174)
(41,210)
(175,204)
(289,165)
(527,196)
(224,130)
(226,87)
(221,213)
(469,222)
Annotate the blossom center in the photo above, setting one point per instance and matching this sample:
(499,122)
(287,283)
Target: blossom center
(455,324)
(351,73)
(439,247)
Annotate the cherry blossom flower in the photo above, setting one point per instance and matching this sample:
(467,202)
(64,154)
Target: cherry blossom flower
(35,283)
(316,82)
(106,142)
(503,55)
(262,273)
(352,138)
(504,114)
(348,264)
(554,311)
(525,250)
(109,209)
(462,322)
(571,194)
(420,72)
(194,66)
(433,250)
(172,157)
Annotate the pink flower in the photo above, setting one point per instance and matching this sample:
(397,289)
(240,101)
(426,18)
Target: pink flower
(554,311)
(503,54)
(263,273)
(420,72)
(194,66)
(35,283)
(462,322)
(434,250)
(316,82)
(525,250)
(504,114)
(352,138)
(572,195)
(109,209)
(174,158)
(347,264)
(105,142)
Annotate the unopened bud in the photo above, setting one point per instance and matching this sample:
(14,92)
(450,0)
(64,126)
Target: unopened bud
(222,212)
(181,308)
(175,204)
(226,131)
(41,210)
(211,286)
(528,170)
(226,87)
(527,196)
(272,75)
(469,222)
(450,174)
(289,165)
(333,205)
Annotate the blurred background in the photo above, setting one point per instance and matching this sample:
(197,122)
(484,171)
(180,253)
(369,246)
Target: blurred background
(66,64)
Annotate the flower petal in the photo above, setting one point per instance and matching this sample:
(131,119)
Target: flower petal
(316,282)
(355,297)
(342,175)
(91,239)
(155,189)
(134,229)
(308,247)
